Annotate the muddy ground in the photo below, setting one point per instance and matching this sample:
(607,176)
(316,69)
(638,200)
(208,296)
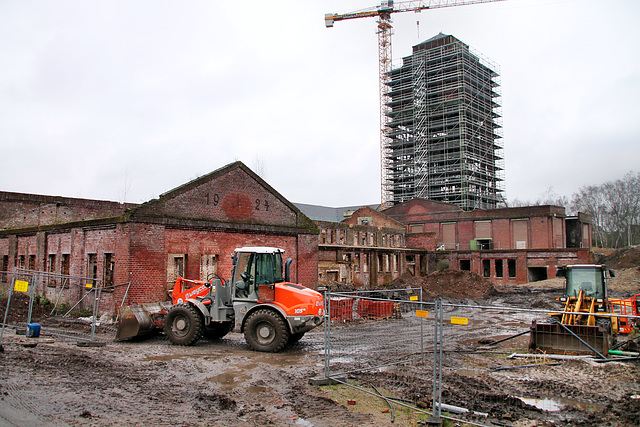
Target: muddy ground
(151,382)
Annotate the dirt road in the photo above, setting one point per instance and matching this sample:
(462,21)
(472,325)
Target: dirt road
(155,383)
(152,382)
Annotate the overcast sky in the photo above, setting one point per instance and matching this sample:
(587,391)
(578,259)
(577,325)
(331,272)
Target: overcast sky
(125,100)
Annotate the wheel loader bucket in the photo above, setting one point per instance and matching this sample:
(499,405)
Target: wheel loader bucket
(569,339)
(139,319)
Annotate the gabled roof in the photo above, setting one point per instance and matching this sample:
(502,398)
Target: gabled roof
(231,194)
(378,219)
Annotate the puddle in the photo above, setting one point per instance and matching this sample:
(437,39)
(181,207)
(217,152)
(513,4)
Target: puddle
(254,389)
(555,404)
(166,358)
(468,372)
(228,380)
(548,405)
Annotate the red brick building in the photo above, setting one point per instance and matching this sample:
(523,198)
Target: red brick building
(189,231)
(507,245)
(366,249)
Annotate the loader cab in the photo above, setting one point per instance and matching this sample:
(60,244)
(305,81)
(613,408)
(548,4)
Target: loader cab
(591,279)
(256,271)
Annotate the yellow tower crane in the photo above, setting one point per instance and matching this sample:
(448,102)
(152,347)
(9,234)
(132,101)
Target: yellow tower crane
(383,13)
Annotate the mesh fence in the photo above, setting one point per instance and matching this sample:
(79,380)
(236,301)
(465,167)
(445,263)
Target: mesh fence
(49,305)
(468,362)
(372,329)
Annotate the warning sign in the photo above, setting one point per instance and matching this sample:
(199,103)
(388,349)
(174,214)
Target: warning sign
(459,321)
(21,286)
(422,313)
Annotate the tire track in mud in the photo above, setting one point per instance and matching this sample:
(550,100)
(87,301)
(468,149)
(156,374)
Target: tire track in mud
(18,405)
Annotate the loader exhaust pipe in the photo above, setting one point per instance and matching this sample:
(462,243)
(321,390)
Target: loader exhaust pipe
(287,270)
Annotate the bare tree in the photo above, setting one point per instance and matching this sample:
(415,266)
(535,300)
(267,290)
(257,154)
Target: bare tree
(260,167)
(615,209)
(590,200)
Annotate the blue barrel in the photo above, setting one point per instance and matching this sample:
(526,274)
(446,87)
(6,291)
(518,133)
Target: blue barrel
(33,330)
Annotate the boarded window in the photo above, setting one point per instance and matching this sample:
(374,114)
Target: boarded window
(208,267)
(585,236)
(176,267)
(92,267)
(416,228)
(449,235)
(51,268)
(520,231)
(558,241)
(4,267)
(483,229)
(65,264)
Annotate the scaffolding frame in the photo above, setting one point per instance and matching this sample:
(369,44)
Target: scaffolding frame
(444,130)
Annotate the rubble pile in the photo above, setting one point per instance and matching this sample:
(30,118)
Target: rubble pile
(457,284)
(622,258)
(449,284)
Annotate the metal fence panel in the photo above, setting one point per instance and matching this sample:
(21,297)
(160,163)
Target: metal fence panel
(64,307)
(467,362)
(367,330)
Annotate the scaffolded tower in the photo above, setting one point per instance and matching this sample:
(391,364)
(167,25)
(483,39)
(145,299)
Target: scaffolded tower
(444,131)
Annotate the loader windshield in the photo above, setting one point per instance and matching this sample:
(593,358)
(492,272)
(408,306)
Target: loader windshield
(589,280)
(254,269)
(268,269)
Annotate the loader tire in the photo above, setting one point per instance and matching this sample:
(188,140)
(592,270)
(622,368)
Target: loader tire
(265,330)
(217,330)
(183,324)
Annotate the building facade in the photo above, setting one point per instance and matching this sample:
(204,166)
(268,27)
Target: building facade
(507,245)
(366,250)
(190,231)
(444,138)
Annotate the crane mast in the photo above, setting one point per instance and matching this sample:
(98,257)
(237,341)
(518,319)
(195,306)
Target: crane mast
(383,12)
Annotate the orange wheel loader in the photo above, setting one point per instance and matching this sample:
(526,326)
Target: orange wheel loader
(258,301)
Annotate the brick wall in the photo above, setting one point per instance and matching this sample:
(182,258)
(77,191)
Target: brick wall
(425,241)
(18,210)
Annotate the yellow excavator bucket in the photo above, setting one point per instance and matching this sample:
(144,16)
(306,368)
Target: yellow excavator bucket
(569,339)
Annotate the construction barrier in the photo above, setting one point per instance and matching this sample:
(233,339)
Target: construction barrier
(65,308)
(473,363)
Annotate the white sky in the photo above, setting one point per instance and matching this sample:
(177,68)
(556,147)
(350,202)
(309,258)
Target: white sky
(125,100)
